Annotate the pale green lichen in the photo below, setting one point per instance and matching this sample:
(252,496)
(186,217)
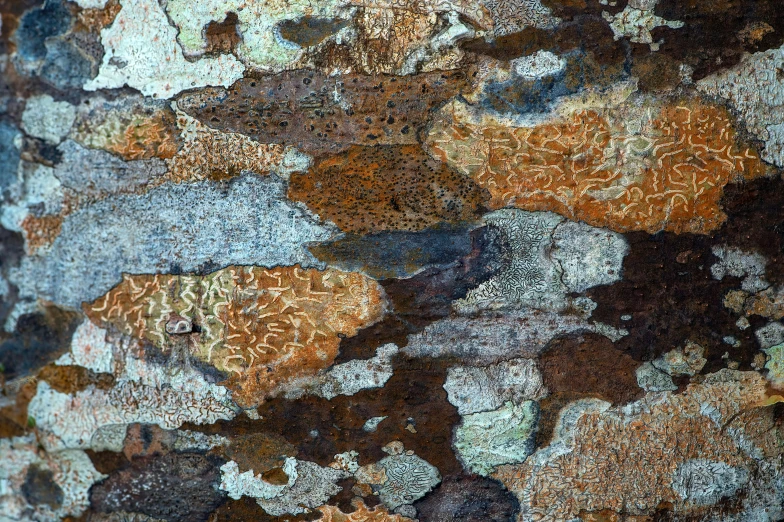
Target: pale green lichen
(261,46)
(775,365)
(488,439)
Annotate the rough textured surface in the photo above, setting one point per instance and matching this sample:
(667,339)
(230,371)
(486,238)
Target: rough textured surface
(473,389)
(502,436)
(658,455)
(374,189)
(261,328)
(316,113)
(670,160)
(754,89)
(186,226)
(391,260)
(141,51)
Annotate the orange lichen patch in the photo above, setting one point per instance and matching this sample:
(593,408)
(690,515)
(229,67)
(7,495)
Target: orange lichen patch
(361,513)
(131,134)
(648,166)
(93,20)
(41,231)
(630,459)
(372,189)
(754,32)
(212,154)
(264,327)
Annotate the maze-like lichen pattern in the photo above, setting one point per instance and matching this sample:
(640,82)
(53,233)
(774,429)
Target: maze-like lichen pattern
(211,154)
(262,326)
(409,478)
(528,276)
(512,16)
(625,459)
(650,167)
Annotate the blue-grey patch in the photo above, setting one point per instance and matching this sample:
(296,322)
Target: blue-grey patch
(36,25)
(396,253)
(65,67)
(247,221)
(9,155)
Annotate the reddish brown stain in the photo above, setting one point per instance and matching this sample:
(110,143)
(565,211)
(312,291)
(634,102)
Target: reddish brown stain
(372,189)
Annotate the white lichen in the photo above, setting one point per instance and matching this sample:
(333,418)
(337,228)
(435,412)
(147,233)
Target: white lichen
(637,20)
(89,349)
(141,51)
(45,118)
(755,89)
(737,263)
(473,389)
(538,65)
(309,485)
(72,474)
(144,392)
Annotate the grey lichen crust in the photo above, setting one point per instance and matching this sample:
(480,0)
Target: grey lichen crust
(408,478)
(548,257)
(309,485)
(173,227)
(473,389)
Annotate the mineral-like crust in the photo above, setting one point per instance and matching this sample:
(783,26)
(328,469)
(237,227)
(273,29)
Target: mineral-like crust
(261,327)
(632,458)
(663,168)
(391,260)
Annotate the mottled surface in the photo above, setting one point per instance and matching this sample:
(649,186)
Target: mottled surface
(391,260)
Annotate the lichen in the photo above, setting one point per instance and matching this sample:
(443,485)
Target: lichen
(505,435)
(754,90)
(473,389)
(642,165)
(142,52)
(187,226)
(637,21)
(656,436)
(262,327)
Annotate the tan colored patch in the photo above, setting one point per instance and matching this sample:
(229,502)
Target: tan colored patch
(649,167)
(754,32)
(146,440)
(372,189)
(72,379)
(41,231)
(361,513)
(93,20)
(212,154)
(259,452)
(264,327)
(385,41)
(624,459)
(765,303)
